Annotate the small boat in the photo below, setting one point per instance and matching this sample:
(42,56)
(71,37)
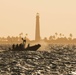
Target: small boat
(31,48)
(21,47)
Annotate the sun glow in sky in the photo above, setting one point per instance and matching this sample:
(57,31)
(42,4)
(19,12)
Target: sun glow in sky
(18,16)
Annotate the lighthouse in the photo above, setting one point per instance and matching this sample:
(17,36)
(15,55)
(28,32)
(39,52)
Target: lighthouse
(37,31)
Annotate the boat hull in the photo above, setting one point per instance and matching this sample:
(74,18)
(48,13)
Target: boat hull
(31,48)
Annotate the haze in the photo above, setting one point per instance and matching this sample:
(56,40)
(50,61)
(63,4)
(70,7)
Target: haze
(18,16)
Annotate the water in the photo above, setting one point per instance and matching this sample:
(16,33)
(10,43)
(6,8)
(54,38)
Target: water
(2,50)
(55,60)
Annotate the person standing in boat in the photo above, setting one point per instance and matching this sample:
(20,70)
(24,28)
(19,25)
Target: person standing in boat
(24,42)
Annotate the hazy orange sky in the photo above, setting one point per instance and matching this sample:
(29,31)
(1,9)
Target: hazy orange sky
(18,16)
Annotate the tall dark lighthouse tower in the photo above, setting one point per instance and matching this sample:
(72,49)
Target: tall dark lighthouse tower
(37,32)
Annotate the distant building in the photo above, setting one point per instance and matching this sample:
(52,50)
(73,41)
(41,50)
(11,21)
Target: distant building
(37,32)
